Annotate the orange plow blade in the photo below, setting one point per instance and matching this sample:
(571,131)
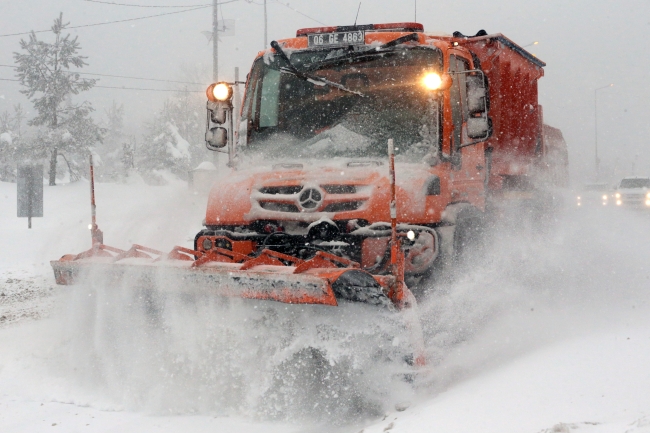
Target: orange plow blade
(325,279)
(270,276)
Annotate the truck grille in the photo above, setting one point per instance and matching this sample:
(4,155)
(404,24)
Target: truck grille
(279,207)
(279,204)
(294,189)
(343,206)
(340,189)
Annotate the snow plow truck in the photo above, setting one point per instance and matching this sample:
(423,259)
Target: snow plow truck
(360,156)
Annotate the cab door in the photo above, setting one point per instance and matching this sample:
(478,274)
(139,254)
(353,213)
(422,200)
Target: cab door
(467,161)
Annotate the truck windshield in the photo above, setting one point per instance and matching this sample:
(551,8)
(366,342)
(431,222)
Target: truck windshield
(383,97)
(635,183)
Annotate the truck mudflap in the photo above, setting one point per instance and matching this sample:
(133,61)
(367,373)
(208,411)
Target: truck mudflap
(272,276)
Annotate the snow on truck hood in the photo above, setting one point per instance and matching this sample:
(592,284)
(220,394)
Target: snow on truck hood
(353,188)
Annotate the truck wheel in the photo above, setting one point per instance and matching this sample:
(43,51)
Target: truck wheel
(468,235)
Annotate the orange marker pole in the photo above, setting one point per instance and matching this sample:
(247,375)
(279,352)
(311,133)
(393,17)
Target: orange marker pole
(96,235)
(396,258)
(393,202)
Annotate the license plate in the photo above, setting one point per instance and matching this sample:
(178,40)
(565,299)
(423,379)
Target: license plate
(356,37)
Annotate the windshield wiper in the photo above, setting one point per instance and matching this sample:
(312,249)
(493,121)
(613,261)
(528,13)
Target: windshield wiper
(291,69)
(358,55)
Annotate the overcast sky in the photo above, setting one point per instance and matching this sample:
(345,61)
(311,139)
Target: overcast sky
(586,45)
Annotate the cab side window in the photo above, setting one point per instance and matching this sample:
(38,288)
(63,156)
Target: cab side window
(458,98)
(251,98)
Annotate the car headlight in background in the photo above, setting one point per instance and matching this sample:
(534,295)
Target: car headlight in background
(647,196)
(618,202)
(605,197)
(617,195)
(647,202)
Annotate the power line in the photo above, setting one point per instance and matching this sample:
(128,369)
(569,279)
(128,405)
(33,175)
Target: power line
(130,88)
(121,76)
(298,12)
(152,90)
(147,6)
(286,5)
(138,78)
(155,6)
(109,22)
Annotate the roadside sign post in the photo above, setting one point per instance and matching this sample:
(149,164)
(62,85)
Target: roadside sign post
(29,184)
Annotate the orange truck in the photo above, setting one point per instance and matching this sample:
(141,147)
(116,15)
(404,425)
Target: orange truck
(361,156)
(310,154)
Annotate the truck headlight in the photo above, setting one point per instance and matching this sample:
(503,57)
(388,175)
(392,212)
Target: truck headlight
(432,81)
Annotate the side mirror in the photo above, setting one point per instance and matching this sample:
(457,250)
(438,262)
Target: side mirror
(216,138)
(219,125)
(476,94)
(219,114)
(219,129)
(478,127)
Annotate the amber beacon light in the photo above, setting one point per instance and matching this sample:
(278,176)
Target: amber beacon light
(219,92)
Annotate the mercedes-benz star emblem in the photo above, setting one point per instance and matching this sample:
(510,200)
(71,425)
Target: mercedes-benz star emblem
(310,198)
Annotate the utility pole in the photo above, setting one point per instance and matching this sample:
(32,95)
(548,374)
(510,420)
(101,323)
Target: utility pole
(597,161)
(265,27)
(215,41)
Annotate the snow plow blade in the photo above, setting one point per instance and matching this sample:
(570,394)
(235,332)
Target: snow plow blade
(272,276)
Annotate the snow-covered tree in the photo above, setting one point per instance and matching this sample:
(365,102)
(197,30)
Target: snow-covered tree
(6,122)
(6,150)
(109,164)
(45,70)
(175,139)
(10,142)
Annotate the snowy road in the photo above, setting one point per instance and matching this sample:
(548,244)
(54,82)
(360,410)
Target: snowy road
(550,332)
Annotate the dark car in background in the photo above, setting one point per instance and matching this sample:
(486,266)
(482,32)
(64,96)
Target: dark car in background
(594,195)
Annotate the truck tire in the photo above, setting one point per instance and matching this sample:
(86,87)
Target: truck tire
(468,234)
(460,234)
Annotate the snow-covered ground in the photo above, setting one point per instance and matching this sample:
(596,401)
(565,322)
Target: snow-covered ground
(549,331)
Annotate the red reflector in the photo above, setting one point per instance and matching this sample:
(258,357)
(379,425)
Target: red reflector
(312,30)
(397,27)
(407,27)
